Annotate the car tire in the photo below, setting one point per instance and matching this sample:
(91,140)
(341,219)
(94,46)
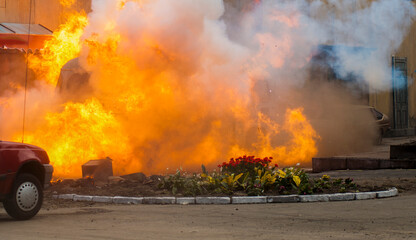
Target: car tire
(26,198)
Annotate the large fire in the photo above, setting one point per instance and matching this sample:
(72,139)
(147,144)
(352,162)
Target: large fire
(160,99)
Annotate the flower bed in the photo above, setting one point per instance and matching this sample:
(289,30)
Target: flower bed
(248,175)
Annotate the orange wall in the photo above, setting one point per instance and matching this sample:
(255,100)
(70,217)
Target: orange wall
(49,13)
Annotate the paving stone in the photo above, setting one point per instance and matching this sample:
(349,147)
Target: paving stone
(82,198)
(127,200)
(185,200)
(365,195)
(283,199)
(66,196)
(213,200)
(159,200)
(314,198)
(249,200)
(341,197)
(102,199)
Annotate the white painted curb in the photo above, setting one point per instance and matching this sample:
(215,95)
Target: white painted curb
(249,200)
(232,200)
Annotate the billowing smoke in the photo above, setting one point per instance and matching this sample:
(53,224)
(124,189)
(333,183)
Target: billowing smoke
(185,83)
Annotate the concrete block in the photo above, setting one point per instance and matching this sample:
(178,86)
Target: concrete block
(404,151)
(185,200)
(283,199)
(127,200)
(249,200)
(389,193)
(159,200)
(327,164)
(82,198)
(213,200)
(365,195)
(314,198)
(341,197)
(394,191)
(99,169)
(363,163)
(402,163)
(66,196)
(102,199)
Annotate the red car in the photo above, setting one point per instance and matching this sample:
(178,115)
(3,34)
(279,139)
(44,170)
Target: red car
(24,172)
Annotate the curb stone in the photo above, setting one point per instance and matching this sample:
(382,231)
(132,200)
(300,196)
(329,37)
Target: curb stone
(342,197)
(314,198)
(213,200)
(66,196)
(159,200)
(102,199)
(185,200)
(365,195)
(248,200)
(127,200)
(389,193)
(283,199)
(231,200)
(82,198)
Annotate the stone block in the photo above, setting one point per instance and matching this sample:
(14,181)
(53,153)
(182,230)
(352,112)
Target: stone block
(389,193)
(365,195)
(102,199)
(159,200)
(185,200)
(363,163)
(314,198)
(283,199)
(66,196)
(327,164)
(213,200)
(127,200)
(82,198)
(341,197)
(404,151)
(249,200)
(99,169)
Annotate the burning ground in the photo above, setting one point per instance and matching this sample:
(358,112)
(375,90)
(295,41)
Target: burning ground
(160,85)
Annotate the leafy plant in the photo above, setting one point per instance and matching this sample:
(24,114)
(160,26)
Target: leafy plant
(178,183)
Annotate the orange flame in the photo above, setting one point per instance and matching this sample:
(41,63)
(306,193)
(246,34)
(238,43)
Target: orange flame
(300,149)
(67,3)
(150,109)
(64,46)
(82,132)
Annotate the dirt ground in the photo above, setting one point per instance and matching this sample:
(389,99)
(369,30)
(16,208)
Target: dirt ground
(390,218)
(378,219)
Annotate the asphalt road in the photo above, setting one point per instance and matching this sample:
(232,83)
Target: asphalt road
(392,218)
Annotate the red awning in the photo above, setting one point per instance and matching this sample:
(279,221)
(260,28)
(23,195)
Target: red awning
(15,35)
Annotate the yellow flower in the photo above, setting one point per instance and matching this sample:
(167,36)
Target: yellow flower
(326,177)
(282,174)
(296,179)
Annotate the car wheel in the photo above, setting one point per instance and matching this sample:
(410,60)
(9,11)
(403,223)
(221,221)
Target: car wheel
(26,198)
